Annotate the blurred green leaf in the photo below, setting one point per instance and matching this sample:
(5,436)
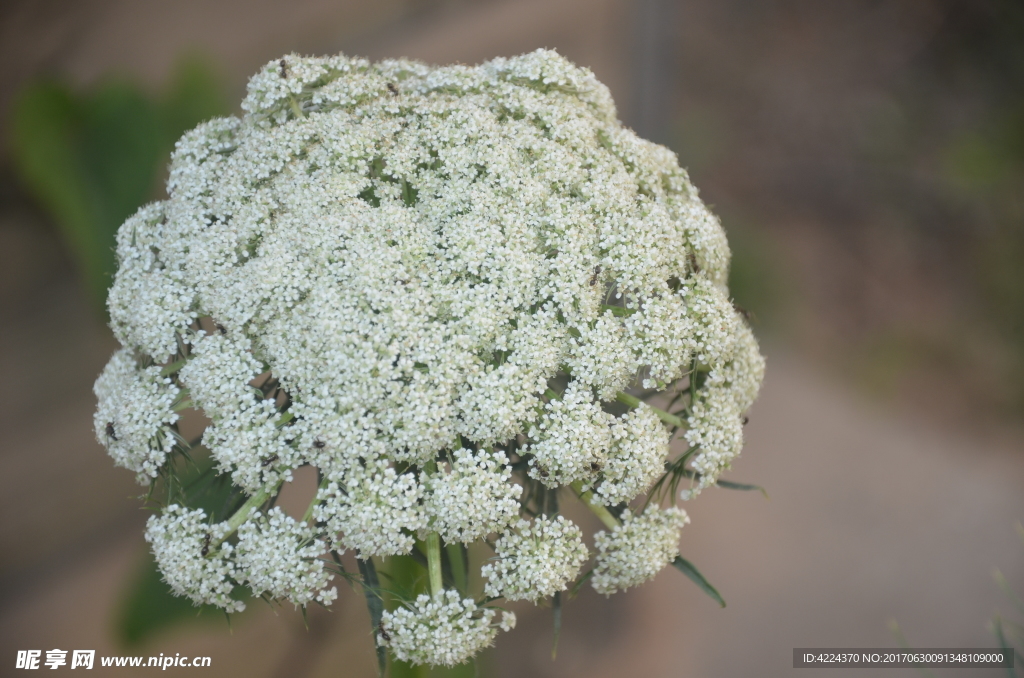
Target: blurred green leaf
(92,158)
(195,95)
(375,605)
(745,487)
(150,607)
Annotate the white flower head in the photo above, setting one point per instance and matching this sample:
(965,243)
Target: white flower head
(573,437)
(716,417)
(192,558)
(443,630)
(536,560)
(435,285)
(637,549)
(134,415)
(474,499)
(376,510)
(280,557)
(636,458)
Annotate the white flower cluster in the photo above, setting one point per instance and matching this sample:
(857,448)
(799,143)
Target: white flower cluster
(377,510)
(636,458)
(275,556)
(442,630)
(573,437)
(637,549)
(134,415)
(716,417)
(391,272)
(280,557)
(192,558)
(474,499)
(536,560)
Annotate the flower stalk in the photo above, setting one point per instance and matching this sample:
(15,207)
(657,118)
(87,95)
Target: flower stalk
(633,402)
(434,563)
(599,510)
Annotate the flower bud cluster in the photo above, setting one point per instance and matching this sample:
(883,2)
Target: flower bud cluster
(474,499)
(192,557)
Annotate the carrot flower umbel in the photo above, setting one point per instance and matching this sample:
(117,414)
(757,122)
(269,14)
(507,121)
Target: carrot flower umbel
(451,291)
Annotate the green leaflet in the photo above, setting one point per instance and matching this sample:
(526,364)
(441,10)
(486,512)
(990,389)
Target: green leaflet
(687,568)
(729,485)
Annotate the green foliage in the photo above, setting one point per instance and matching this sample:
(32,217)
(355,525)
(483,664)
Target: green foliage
(92,158)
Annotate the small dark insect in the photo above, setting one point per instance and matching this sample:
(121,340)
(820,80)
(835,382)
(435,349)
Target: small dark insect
(542,471)
(110,431)
(269,460)
(693,263)
(593,278)
(206,545)
(746,420)
(383,633)
(596,466)
(319,444)
(743,312)
(284,68)
(220,328)
(392,88)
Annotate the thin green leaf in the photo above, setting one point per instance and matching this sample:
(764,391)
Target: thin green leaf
(729,485)
(375,604)
(579,584)
(687,568)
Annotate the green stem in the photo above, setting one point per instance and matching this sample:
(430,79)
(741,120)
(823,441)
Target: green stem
(634,402)
(172,368)
(599,510)
(296,109)
(235,521)
(433,545)
(434,563)
(458,565)
(312,504)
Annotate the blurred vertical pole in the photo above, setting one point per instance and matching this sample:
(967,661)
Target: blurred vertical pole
(654,66)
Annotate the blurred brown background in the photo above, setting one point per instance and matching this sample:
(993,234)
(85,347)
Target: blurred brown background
(867,160)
